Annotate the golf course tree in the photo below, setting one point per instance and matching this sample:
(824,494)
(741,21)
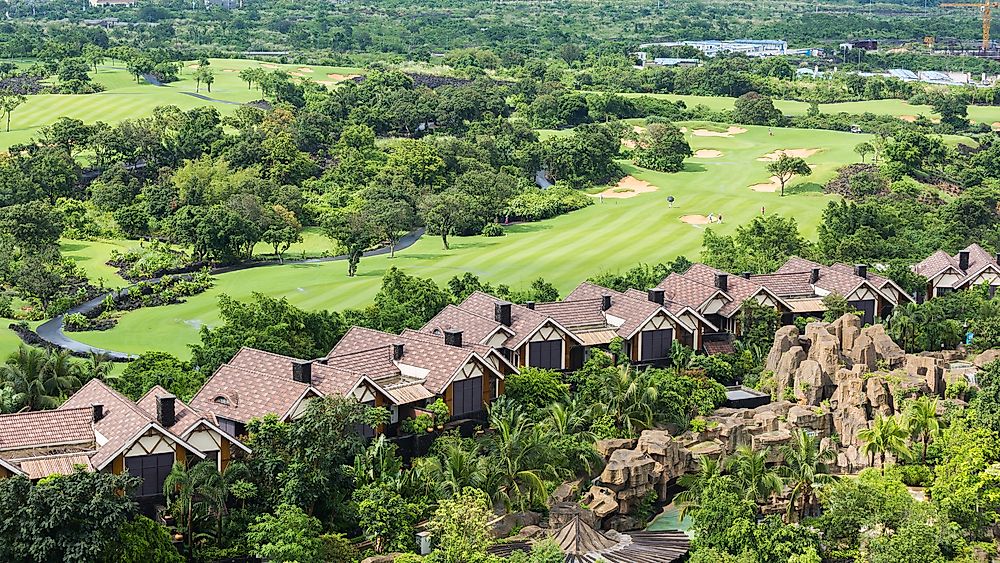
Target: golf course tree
(662,147)
(10,101)
(760,246)
(282,229)
(390,213)
(354,230)
(204,75)
(586,157)
(786,168)
(756,109)
(138,65)
(444,212)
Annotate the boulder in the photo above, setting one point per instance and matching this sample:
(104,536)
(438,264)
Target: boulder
(986,357)
(846,329)
(848,421)
(503,526)
(813,330)
(664,450)
(771,441)
(607,447)
(629,468)
(826,351)
(878,396)
(784,339)
(787,365)
(602,501)
(864,353)
(766,421)
(886,349)
(810,382)
(529,533)
(812,418)
(565,492)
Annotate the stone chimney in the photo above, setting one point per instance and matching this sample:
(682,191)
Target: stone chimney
(530,305)
(861,270)
(165,413)
(501,313)
(98,411)
(605,302)
(453,338)
(397,351)
(656,295)
(963,260)
(722,282)
(746,275)
(814,275)
(302,371)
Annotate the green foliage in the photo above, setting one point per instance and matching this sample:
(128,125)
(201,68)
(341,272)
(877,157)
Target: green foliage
(641,276)
(966,490)
(460,528)
(158,368)
(493,230)
(404,301)
(836,307)
(142,541)
(760,246)
(535,388)
(288,535)
(986,405)
(662,147)
(267,324)
(386,518)
(74,517)
(786,168)
(535,204)
(754,109)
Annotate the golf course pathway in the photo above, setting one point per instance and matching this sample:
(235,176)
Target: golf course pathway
(51,331)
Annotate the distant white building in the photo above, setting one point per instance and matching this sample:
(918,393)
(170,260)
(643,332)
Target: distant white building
(749,47)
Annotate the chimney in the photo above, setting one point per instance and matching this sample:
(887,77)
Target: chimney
(861,270)
(98,410)
(302,371)
(453,338)
(722,281)
(165,410)
(963,260)
(397,351)
(656,295)
(501,312)
(814,275)
(746,275)
(530,305)
(998,258)
(605,302)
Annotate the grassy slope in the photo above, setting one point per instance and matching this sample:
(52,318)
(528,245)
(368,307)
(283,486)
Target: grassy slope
(124,99)
(978,114)
(564,250)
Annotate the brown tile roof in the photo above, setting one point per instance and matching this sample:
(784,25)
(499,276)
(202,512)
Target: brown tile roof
(474,327)
(328,379)
(739,289)
(979,260)
(633,307)
(241,394)
(575,314)
(830,279)
(785,285)
(56,465)
(687,291)
(184,416)
(123,420)
(46,428)
(935,264)
(524,321)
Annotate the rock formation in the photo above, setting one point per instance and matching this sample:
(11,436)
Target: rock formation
(832,382)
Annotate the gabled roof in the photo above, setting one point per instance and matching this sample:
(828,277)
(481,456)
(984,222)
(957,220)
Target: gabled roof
(184,416)
(632,309)
(49,428)
(786,285)
(474,327)
(241,394)
(524,322)
(936,264)
(830,279)
(689,292)
(123,421)
(878,281)
(575,314)
(481,349)
(738,288)
(979,261)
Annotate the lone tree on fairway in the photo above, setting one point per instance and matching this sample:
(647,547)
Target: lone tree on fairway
(354,231)
(9,100)
(864,149)
(786,167)
(444,211)
(662,148)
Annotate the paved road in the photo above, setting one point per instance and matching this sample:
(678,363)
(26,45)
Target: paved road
(51,331)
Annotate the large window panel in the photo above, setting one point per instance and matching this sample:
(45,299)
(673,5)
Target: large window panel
(656,344)
(152,469)
(467,396)
(546,354)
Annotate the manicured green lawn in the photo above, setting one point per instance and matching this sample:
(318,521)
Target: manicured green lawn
(314,244)
(91,255)
(124,99)
(612,235)
(978,114)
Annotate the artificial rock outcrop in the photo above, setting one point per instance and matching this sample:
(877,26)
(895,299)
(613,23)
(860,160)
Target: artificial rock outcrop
(832,381)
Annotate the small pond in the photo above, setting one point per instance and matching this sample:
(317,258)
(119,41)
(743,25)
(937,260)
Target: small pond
(669,519)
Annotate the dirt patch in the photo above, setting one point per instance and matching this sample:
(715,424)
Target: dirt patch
(733,130)
(341,77)
(627,187)
(707,153)
(908,118)
(305,69)
(799,153)
(996,124)
(229,70)
(695,219)
(268,65)
(628,143)
(639,129)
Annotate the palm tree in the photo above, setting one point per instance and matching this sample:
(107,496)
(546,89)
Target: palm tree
(97,366)
(518,458)
(709,468)
(921,422)
(885,436)
(751,474)
(37,379)
(805,468)
(629,399)
(573,420)
(200,490)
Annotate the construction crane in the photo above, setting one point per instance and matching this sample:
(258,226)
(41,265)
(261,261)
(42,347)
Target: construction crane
(986,6)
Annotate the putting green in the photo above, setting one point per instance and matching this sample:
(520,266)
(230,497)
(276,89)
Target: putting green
(608,236)
(124,99)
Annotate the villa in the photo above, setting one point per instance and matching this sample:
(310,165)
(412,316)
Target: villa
(972,266)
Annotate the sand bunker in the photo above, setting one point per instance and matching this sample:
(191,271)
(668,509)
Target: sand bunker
(772,186)
(341,77)
(627,187)
(996,124)
(304,69)
(268,65)
(800,153)
(639,129)
(192,66)
(695,219)
(628,143)
(733,130)
(707,153)
(909,118)
(229,70)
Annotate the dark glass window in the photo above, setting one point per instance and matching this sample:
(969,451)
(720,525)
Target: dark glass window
(467,396)
(231,427)
(546,354)
(656,343)
(152,469)
(867,308)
